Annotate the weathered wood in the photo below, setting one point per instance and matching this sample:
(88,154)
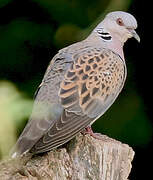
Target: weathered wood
(84,158)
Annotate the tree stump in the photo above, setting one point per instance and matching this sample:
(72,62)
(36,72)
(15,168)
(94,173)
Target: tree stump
(83,158)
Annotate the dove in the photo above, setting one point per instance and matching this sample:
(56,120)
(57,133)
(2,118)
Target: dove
(81,82)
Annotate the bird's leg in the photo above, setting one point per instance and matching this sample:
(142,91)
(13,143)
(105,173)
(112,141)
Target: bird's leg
(88,130)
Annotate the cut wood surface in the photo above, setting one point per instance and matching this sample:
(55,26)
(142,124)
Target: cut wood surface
(83,158)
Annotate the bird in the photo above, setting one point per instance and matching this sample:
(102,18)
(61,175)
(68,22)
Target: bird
(81,82)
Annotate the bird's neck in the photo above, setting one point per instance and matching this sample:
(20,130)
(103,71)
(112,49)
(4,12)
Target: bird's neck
(117,46)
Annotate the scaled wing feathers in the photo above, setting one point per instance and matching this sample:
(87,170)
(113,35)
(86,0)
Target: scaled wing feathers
(89,87)
(92,82)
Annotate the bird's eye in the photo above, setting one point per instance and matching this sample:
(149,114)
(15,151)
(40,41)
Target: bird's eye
(120,22)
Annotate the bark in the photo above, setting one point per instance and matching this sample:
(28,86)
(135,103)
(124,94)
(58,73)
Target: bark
(83,158)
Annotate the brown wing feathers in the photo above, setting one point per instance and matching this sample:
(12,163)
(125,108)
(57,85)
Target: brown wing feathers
(94,75)
(90,85)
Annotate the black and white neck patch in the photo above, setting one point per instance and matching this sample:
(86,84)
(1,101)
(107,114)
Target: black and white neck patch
(104,34)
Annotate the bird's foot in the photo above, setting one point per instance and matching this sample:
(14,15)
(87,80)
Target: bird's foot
(88,130)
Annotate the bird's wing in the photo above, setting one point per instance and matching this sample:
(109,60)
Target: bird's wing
(90,86)
(46,109)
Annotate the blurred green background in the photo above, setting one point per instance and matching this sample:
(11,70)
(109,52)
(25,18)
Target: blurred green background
(31,33)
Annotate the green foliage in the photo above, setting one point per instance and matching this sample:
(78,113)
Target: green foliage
(76,11)
(4,2)
(15,39)
(14,107)
(70,32)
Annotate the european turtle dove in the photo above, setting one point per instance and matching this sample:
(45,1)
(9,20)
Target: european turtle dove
(81,83)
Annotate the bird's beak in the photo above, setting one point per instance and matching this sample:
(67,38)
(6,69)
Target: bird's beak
(134,34)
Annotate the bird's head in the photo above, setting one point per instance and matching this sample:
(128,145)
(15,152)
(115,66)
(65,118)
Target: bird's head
(118,24)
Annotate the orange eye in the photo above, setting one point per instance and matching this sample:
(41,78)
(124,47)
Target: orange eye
(120,22)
